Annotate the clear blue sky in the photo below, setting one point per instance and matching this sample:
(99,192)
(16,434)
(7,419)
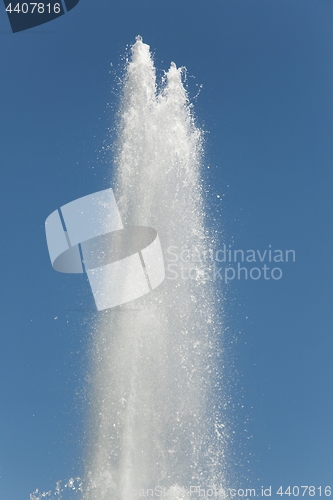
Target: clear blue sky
(266,67)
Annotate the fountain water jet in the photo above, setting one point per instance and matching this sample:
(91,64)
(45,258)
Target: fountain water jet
(153,417)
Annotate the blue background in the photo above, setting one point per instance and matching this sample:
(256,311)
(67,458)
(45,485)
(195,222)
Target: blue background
(267,106)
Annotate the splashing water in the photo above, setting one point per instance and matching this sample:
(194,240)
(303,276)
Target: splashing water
(155,390)
(64,490)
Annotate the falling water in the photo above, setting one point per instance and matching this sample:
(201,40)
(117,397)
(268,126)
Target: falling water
(155,390)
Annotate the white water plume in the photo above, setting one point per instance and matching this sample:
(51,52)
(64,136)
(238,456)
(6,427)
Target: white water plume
(154,397)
